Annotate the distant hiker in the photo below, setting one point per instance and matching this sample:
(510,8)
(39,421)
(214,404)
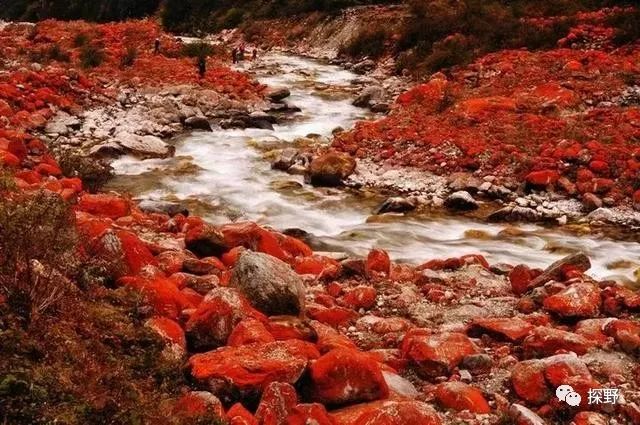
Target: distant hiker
(234,55)
(156,46)
(242,52)
(202,65)
(254,55)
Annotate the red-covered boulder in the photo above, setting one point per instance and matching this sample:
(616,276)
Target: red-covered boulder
(542,178)
(311,413)
(135,252)
(387,412)
(460,396)
(196,405)
(329,338)
(239,415)
(520,277)
(360,297)
(318,265)
(510,328)
(253,367)
(161,294)
(170,331)
(378,263)
(249,331)
(213,321)
(626,333)
(104,205)
(545,341)
(333,316)
(344,376)
(291,327)
(578,300)
(205,241)
(529,383)
(278,400)
(436,354)
(590,418)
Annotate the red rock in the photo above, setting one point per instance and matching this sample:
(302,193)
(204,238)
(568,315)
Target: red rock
(291,327)
(510,328)
(249,331)
(8,159)
(104,205)
(253,237)
(437,354)
(529,383)
(253,367)
(48,170)
(306,414)
(170,262)
(318,265)
(520,277)
(561,367)
(136,254)
(344,376)
(387,412)
(198,404)
(213,321)
(636,200)
(238,415)
(330,339)
(170,330)
(460,396)
(165,298)
(294,247)
(278,400)
(230,258)
(626,333)
(523,416)
(578,300)
(334,316)
(545,341)
(378,263)
(590,418)
(542,178)
(203,266)
(360,297)
(593,330)
(205,241)
(329,169)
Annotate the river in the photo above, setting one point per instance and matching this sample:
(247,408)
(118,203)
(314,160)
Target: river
(223,175)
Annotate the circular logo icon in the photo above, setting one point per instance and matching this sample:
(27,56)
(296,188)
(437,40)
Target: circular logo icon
(562,391)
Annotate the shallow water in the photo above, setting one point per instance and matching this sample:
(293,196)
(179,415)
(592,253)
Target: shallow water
(223,175)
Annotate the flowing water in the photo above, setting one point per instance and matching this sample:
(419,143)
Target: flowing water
(223,175)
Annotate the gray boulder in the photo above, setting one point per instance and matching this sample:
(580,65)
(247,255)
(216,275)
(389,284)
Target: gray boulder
(198,123)
(268,283)
(461,201)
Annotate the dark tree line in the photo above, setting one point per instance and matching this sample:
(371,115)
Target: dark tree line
(93,10)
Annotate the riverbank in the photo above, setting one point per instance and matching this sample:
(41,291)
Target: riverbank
(266,329)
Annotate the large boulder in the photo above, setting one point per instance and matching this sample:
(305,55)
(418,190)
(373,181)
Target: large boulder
(252,367)
(144,146)
(368,96)
(163,207)
(330,169)
(214,320)
(198,123)
(205,241)
(278,94)
(388,412)
(461,201)
(345,376)
(270,284)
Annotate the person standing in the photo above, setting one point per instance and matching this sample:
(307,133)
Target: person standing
(234,55)
(202,65)
(254,54)
(156,46)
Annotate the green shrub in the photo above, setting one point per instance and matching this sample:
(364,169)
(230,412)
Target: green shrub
(91,56)
(368,42)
